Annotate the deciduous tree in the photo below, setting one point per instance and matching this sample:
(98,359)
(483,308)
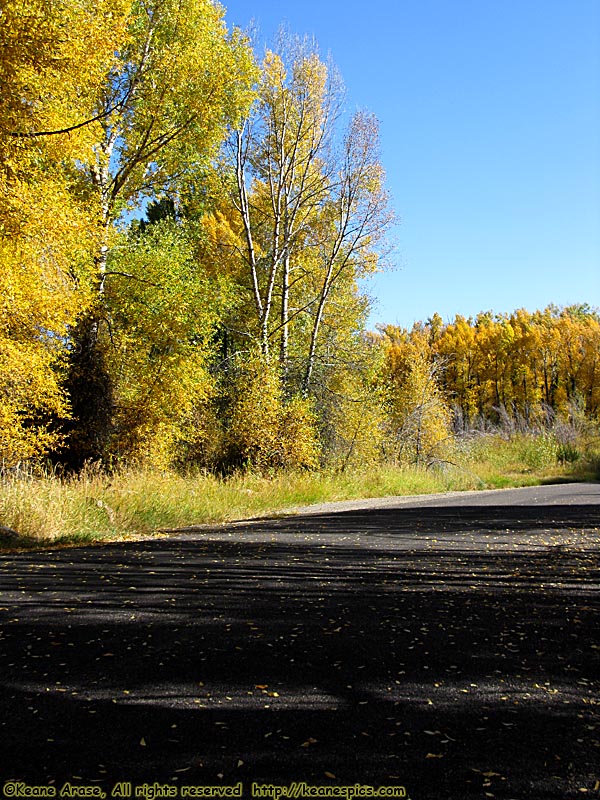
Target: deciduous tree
(311,205)
(178,81)
(52,55)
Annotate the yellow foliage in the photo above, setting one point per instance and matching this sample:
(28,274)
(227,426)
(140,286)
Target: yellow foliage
(352,415)
(29,396)
(52,56)
(298,440)
(46,240)
(517,363)
(163,79)
(265,431)
(419,415)
(422,417)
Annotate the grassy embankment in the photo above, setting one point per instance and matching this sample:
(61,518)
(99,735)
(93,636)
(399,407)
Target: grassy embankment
(97,507)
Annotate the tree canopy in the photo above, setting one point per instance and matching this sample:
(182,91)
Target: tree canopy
(184,232)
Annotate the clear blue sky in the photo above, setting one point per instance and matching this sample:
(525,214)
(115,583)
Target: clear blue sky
(490,120)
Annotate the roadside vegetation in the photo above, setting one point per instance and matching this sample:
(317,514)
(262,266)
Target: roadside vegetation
(95,506)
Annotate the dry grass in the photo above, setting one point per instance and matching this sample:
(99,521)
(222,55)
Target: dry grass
(96,506)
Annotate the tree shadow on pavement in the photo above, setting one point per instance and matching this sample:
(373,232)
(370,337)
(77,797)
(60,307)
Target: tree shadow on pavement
(452,651)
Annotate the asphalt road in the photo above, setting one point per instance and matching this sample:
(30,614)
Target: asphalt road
(448,645)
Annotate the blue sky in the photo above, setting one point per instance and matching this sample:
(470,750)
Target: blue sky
(490,122)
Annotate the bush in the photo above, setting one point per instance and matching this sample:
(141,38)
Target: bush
(568,453)
(538,452)
(265,430)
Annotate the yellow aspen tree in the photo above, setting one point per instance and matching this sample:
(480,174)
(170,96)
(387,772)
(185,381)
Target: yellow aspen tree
(162,112)
(577,328)
(312,212)
(525,362)
(420,417)
(279,158)
(456,345)
(52,55)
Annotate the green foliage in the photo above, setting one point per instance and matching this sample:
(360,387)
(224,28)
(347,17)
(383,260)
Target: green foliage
(567,453)
(87,427)
(163,311)
(538,452)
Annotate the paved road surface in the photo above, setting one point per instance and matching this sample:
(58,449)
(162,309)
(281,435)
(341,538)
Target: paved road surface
(448,645)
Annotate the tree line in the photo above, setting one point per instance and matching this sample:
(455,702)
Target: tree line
(519,362)
(184,226)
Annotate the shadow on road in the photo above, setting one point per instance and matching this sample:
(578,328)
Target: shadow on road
(450,650)
(431,520)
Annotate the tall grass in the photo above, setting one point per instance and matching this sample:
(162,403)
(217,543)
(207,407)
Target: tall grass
(96,506)
(526,458)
